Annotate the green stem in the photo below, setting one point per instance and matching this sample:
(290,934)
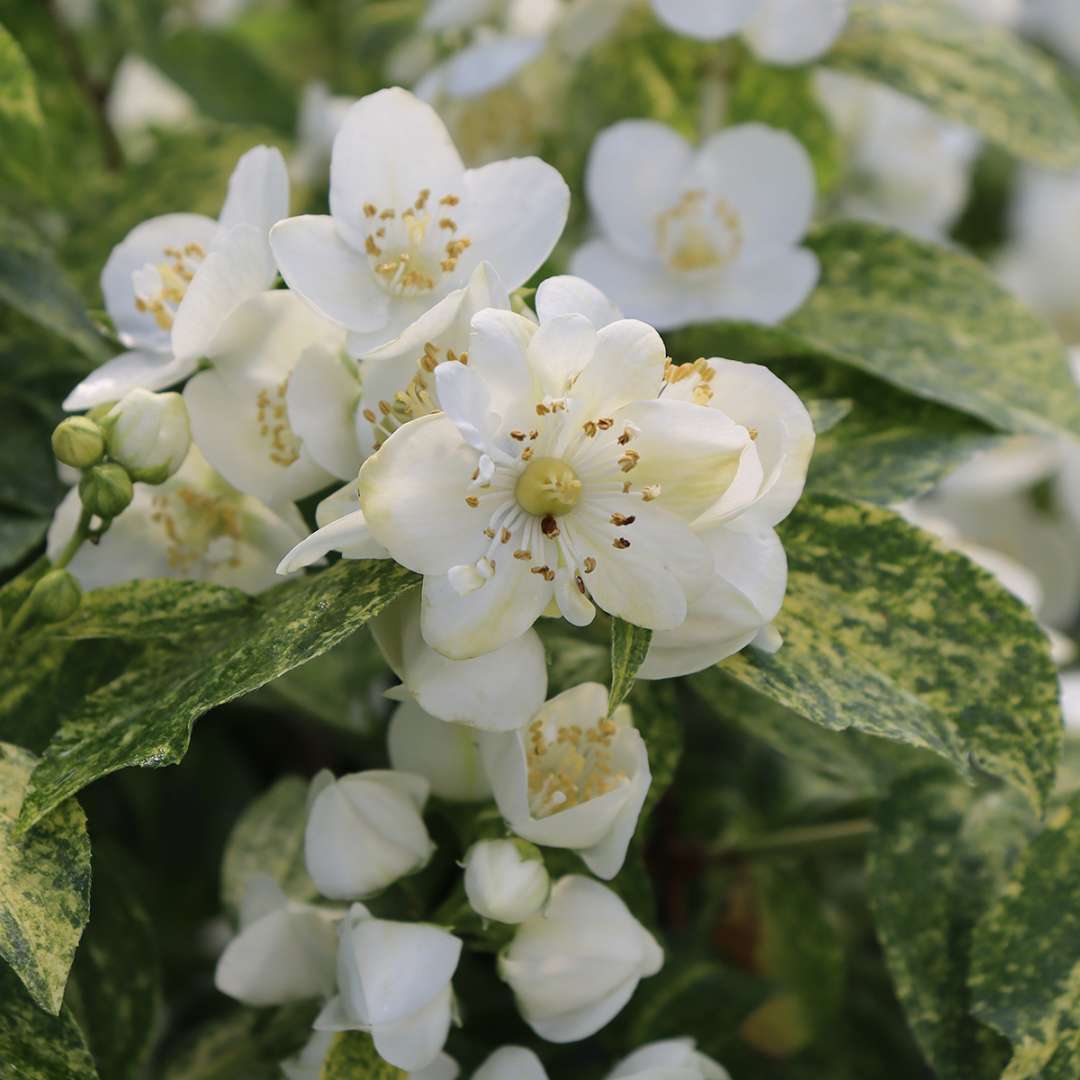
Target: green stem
(801,840)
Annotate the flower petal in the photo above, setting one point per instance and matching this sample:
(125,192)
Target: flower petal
(138,368)
(627,366)
(569,295)
(559,350)
(415,1041)
(485,65)
(707,20)
(336,279)
(514,211)
(258,190)
(794,31)
(767,290)
(635,171)
(511,1063)
(349,535)
(322,396)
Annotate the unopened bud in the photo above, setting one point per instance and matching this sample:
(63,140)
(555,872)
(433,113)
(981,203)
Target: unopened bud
(55,596)
(506,880)
(78,442)
(106,490)
(149,435)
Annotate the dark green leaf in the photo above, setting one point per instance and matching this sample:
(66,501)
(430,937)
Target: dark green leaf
(145,715)
(22,125)
(966,69)
(629,644)
(888,632)
(44,885)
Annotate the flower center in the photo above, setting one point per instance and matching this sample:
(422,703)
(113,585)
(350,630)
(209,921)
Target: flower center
(283,446)
(411,249)
(159,289)
(698,233)
(548,486)
(569,765)
(197,526)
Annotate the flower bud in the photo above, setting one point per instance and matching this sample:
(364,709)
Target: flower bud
(506,880)
(78,442)
(668,1057)
(55,596)
(149,435)
(106,490)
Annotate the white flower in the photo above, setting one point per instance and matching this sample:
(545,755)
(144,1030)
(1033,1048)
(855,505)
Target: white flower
(308,1064)
(573,778)
(394,981)
(445,754)
(554,474)
(575,966)
(193,526)
(364,831)
(779,31)
(142,97)
(908,168)
(174,279)
(670,1059)
(511,1063)
(148,434)
(409,223)
(499,691)
(505,880)
(320,119)
(285,950)
(246,406)
(749,568)
(689,235)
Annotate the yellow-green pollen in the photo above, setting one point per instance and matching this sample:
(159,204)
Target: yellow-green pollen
(548,486)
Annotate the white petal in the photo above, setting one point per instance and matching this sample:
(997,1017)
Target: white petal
(795,31)
(456,14)
(336,279)
(766,175)
(635,171)
(146,243)
(511,1063)
(569,295)
(322,396)
(514,211)
(498,351)
(628,365)
(258,190)
(413,495)
(466,401)
(239,268)
(767,290)
(485,65)
(705,19)
(349,535)
(559,350)
(390,147)
(138,368)
(444,1067)
(414,1041)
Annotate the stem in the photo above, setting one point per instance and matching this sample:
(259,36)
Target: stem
(801,840)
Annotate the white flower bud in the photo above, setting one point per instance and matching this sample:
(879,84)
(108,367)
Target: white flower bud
(511,1063)
(668,1058)
(148,434)
(394,982)
(575,966)
(365,831)
(506,880)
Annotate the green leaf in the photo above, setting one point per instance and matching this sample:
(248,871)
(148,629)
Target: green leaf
(931,321)
(928,877)
(888,632)
(268,839)
(967,70)
(657,717)
(35,1045)
(629,644)
(44,885)
(19,535)
(352,1054)
(826,413)
(32,282)
(784,98)
(22,124)
(115,987)
(145,715)
(227,81)
(1025,978)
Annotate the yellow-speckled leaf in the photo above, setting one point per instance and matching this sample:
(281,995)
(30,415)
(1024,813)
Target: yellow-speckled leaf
(44,885)
(1025,978)
(352,1054)
(144,716)
(967,70)
(629,644)
(888,632)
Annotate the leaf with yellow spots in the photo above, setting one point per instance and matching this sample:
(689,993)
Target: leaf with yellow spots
(629,644)
(353,1054)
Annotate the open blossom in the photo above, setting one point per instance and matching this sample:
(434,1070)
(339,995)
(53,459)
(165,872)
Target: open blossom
(692,235)
(669,1059)
(285,951)
(573,967)
(394,982)
(194,525)
(365,831)
(408,223)
(244,407)
(573,778)
(174,279)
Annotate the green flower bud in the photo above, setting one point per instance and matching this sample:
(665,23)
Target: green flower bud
(106,490)
(78,442)
(148,434)
(55,597)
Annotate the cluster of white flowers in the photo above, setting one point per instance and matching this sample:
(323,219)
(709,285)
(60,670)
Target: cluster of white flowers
(526,463)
